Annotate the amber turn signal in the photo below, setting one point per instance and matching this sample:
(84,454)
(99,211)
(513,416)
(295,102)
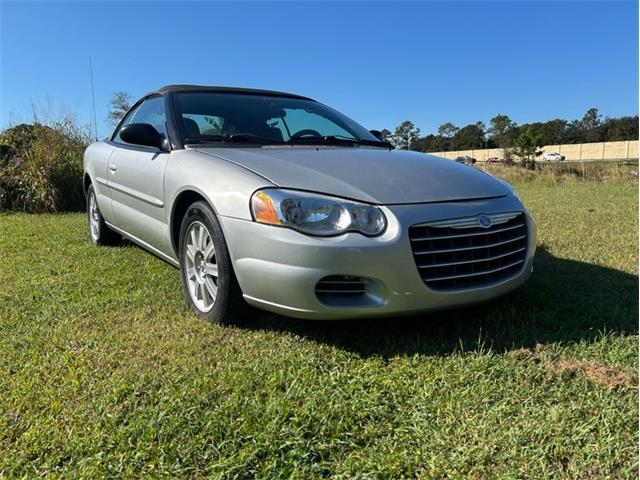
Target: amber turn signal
(264,209)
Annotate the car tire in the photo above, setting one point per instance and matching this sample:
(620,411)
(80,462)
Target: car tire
(208,281)
(99,232)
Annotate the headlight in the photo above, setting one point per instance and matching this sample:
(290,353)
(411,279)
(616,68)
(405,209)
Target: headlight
(315,214)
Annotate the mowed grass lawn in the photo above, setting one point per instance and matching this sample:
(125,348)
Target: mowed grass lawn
(104,372)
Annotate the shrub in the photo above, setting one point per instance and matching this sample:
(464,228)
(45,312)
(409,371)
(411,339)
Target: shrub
(41,166)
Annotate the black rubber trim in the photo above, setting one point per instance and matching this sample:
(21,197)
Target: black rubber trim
(175,139)
(205,88)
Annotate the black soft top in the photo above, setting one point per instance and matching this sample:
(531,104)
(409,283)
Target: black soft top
(203,88)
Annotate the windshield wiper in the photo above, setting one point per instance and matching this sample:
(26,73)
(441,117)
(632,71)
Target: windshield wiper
(324,140)
(338,140)
(234,138)
(377,143)
(202,139)
(250,137)
(363,141)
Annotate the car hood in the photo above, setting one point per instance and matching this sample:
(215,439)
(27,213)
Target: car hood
(373,175)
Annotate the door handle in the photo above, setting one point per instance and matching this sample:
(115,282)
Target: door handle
(113,167)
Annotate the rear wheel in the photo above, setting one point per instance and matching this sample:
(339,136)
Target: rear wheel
(99,232)
(209,284)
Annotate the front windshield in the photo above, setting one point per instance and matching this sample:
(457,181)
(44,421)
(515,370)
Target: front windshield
(211,116)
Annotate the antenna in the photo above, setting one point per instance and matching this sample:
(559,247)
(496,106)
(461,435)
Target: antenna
(93,99)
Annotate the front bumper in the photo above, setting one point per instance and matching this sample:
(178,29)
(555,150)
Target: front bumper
(278,268)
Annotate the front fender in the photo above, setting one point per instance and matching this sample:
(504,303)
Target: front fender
(226,187)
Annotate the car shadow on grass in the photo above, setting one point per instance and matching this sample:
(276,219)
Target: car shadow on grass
(565,301)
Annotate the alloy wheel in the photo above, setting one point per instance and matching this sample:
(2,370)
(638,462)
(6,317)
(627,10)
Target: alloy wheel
(201,266)
(94,217)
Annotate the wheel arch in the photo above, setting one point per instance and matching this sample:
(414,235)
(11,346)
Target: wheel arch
(86,182)
(184,199)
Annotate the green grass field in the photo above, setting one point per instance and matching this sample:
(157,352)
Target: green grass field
(105,373)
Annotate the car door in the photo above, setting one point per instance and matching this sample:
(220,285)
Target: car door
(136,180)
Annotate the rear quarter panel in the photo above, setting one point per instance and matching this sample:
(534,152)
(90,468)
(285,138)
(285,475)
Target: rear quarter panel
(95,161)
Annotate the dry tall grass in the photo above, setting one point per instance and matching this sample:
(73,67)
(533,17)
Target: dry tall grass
(41,166)
(558,173)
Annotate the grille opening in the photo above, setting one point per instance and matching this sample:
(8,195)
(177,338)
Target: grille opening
(457,258)
(340,286)
(348,291)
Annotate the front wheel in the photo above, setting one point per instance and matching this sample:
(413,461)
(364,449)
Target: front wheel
(208,281)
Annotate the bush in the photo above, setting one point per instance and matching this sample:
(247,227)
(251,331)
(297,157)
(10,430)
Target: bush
(41,167)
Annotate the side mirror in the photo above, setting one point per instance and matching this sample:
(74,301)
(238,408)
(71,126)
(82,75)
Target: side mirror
(143,134)
(377,134)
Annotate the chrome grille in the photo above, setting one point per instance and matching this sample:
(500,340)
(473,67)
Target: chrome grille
(462,253)
(340,286)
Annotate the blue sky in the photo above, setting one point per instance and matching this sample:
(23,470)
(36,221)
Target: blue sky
(380,63)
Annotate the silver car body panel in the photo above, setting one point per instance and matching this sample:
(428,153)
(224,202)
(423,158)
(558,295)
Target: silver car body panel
(374,175)
(278,268)
(137,189)
(227,186)
(96,159)
(138,196)
(136,182)
(167,258)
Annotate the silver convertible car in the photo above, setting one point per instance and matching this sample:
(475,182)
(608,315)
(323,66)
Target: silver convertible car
(281,202)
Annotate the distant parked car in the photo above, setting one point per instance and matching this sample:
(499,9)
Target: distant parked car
(553,157)
(466,160)
(491,160)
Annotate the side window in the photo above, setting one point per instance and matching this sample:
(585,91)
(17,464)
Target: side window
(150,111)
(126,122)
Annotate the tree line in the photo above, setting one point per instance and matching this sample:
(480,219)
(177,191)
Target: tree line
(504,133)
